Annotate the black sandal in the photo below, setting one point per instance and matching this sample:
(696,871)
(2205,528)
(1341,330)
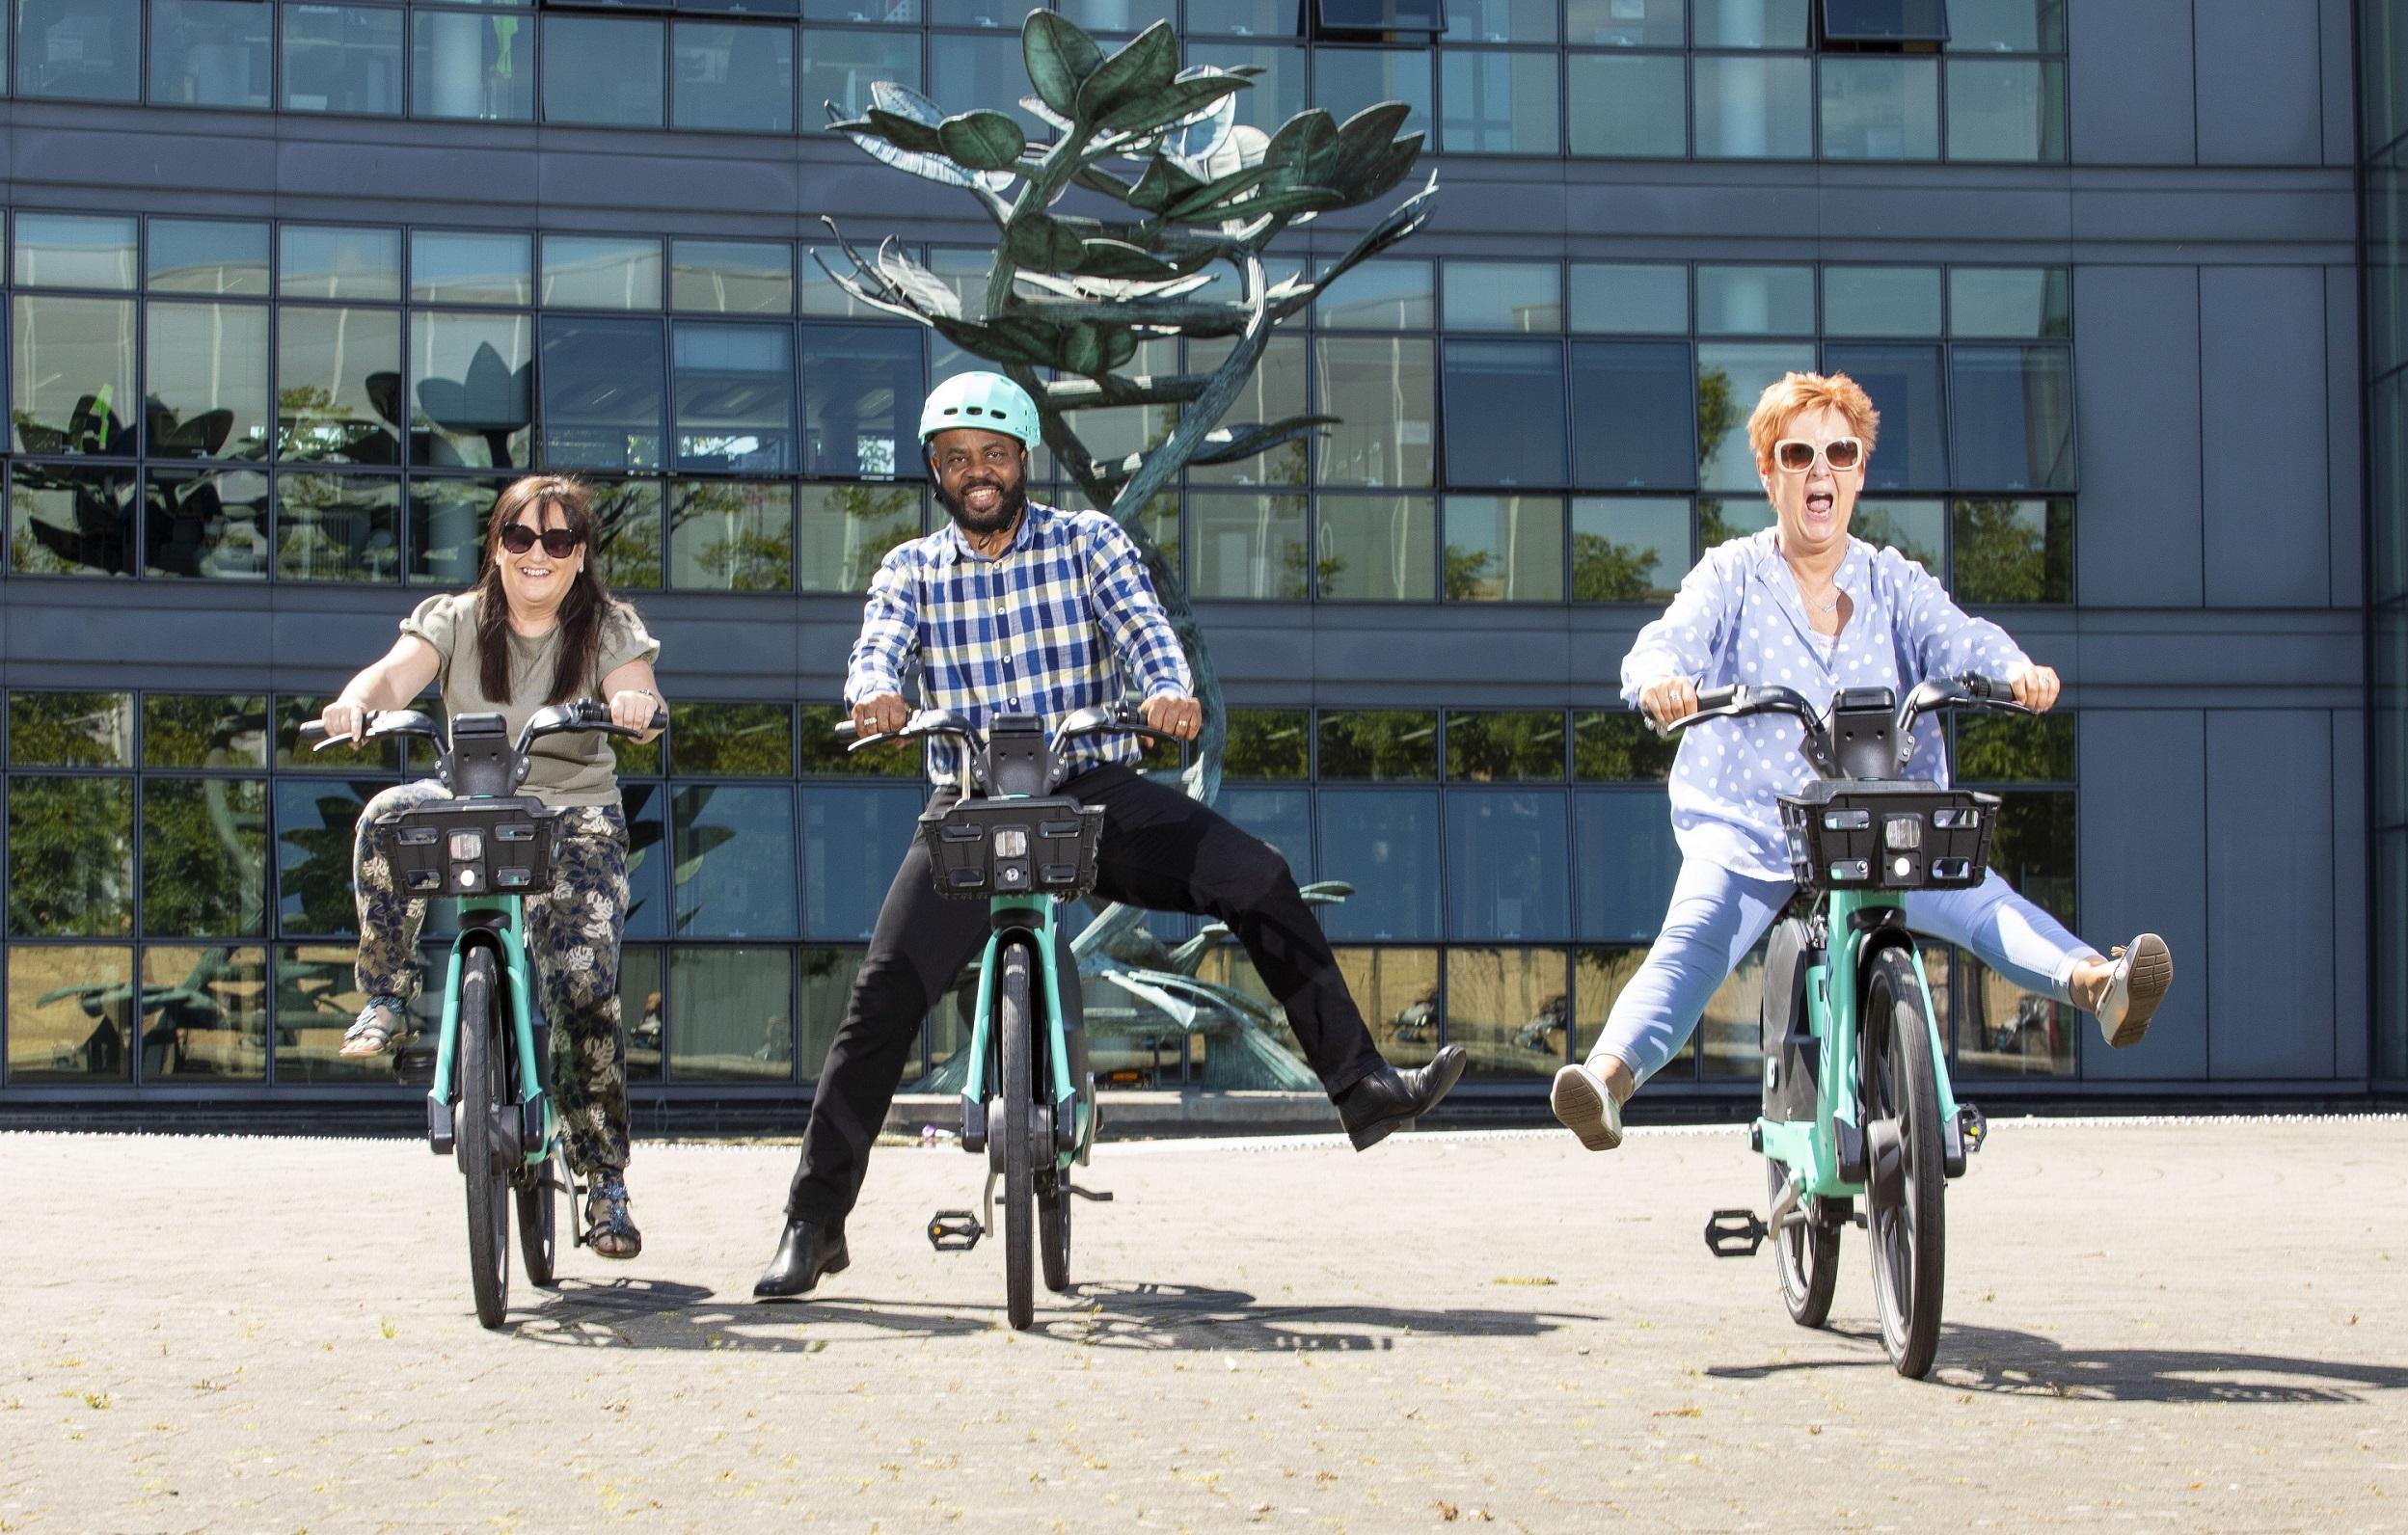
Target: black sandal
(605,1216)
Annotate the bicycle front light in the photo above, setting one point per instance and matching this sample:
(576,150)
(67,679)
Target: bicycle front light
(1902,833)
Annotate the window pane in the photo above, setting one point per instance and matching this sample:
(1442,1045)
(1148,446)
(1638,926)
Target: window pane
(839,65)
(2004,749)
(70,856)
(823,755)
(645,805)
(1117,17)
(731,1015)
(1510,1009)
(1379,743)
(1628,549)
(1751,24)
(1635,105)
(2014,302)
(1881,301)
(1881,109)
(1245,18)
(602,406)
(2033,848)
(2006,1030)
(1505,413)
(447,529)
(1273,391)
(1346,80)
(207,523)
(289,711)
(1505,747)
(2014,552)
(1376,548)
(76,250)
(1393,295)
(1916,529)
(1508,864)
(316,819)
(71,730)
(2012,419)
(1903,384)
(626,518)
(2006,26)
(1385,842)
(337,527)
(966,73)
(206,255)
(1381,390)
(316,998)
(204,730)
(735,861)
(1616,746)
(1754,109)
(737,77)
(211,53)
(205,856)
(848,530)
(1267,744)
(1504,549)
(603,71)
(1730,1036)
(1625,24)
(71,522)
(731,537)
(1498,103)
(1277,93)
(342,59)
(1613,299)
(465,268)
(1249,546)
(79,50)
(474,376)
(1634,422)
(1501,21)
(1398,992)
(71,378)
(52,1036)
(471,66)
(1504,296)
(1755,300)
(2006,109)
(204,1014)
(207,377)
(734,741)
(861,387)
(584,272)
(852,838)
(339,263)
(735,397)
(731,277)
(1731,377)
(339,385)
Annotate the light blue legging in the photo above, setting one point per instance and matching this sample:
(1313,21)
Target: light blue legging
(1716,916)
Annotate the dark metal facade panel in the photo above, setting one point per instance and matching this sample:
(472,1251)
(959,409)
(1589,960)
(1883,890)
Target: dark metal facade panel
(2353,927)
(2270,937)
(2137,409)
(2144,868)
(2337,41)
(2263,394)
(2129,83)
(2259,80)
(2346,487)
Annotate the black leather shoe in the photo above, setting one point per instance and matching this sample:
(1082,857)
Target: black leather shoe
(808,1250)
(1390,1099)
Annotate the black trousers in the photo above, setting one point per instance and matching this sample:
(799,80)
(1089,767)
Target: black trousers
(1160,849)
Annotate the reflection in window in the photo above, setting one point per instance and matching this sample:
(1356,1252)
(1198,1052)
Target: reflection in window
(1504,746)
(823,755)
(209,522)
(1751,24)
(1916,529)
(79,50)
(205,856)
(1880,108)
(848,530)
(826,993)
(1510,1010)
(1632,106)
(1504,549)
(72,375)
(735,861)
(1347,80)
(1881,301)
(1508,864)
(1730,1037)
(1625,861)
(1505,413)
(862,386)
(70,1014)
(730,536)
(1249,546)
(1753,109)
(1279,817)
(2013,551)
(840,63)
(211,53)
(447,529)
(342,59)
(731,1014)
(731,277)
(2013,303)
(76,250)
(204,730)
(318,995)
(735,78)
(337,527)
(627,539)
(1380,295)
(2006,109)
(325,262)
(602,71)
(735,741)
(642,1009)
(1615,746)
(735,397)
(852,838)
(471,66)
(1381,389)
(316,819)
(71,522)
(603,407)
(204,1014)
(645,806)
(71,730)
(474,377)
(2012,416)
(1498,103)
(1903,384)
(1376,548)
(1731,376)
(70,856)
(1597,977)
(1755,300)
(1624,299)
(1273,391)
(1634,421)
(1385,842)
(1625,24)
(988,68)
(600,272)
(339,385)
(449,266)
(1628,549)
(207,373)
(1398,992)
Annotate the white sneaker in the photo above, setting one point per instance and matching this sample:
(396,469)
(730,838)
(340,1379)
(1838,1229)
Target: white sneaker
(1587,1109)
(2144,970)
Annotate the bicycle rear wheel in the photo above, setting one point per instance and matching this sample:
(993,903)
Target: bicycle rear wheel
(1807,1253)
(1015,1027)
(1905,1182)
(485,1151)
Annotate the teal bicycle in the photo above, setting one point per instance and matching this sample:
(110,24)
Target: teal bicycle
(1029,1105)
(1857,1098)
(488,1103)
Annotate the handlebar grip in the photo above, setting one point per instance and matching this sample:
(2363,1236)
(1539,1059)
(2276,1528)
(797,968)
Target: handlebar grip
(1716,697)
(847,730)
(314,730)
(1988,688)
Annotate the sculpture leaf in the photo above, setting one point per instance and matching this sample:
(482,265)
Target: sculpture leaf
(1164,183)
(902,132)
(1117,259)
(1060,58)
(1044,243)
(1301,149)
(982,141)
(1144,67)
(1175,103)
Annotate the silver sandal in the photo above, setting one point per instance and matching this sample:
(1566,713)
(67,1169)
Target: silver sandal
(376,1027)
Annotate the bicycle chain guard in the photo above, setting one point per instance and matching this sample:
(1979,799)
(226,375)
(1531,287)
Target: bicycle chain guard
(955,1230)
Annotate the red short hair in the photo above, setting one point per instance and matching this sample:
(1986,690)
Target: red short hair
(1799,392)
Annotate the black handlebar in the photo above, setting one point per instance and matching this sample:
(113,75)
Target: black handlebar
(584,715)
(1731,701)
(1116,719)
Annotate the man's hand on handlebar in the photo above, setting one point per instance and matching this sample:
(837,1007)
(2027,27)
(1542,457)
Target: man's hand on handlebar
(1668,698)
(2035,688)
(344,720)
(1173,714)
(881,716)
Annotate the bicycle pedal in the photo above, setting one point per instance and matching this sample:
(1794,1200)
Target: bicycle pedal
(1972,1126)
(954,1230)
(1099,1195)
(414,1063)
(1735,1233)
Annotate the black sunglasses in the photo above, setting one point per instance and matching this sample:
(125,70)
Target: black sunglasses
(558,542)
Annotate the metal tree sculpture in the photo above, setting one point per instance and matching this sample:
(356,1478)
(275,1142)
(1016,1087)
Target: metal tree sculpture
(1074,295)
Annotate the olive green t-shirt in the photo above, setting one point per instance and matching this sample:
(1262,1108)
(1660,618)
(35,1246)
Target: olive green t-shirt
(573,768)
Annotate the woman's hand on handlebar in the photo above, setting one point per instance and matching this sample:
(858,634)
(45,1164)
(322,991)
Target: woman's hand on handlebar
(881,716)
(1668,698)
(344,720)
(2035,688)
(633,709)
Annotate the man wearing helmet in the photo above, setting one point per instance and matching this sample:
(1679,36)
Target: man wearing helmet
(1019,606)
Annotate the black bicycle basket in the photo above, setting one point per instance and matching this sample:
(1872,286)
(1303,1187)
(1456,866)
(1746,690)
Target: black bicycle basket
(470,846)
(980,849)
(1909,835)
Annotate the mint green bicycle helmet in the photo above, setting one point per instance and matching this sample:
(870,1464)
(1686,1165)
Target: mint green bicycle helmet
(987,401)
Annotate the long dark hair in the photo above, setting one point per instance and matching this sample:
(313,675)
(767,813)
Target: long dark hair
(582,611)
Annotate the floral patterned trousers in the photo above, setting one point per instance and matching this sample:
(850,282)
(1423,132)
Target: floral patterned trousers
(571,941)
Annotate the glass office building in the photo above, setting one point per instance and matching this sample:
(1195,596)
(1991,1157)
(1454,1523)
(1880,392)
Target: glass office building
(292,288)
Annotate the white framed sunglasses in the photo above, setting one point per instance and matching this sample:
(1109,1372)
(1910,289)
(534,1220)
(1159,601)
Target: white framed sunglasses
(1797,455)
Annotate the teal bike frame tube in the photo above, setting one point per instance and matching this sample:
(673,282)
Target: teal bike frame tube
(505,933)
(1020,921)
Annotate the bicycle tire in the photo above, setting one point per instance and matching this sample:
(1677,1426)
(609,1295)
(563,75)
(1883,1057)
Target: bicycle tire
(482,1146)
(1015,1028)
(1906,1228)
(539,1242)
(1805,1253)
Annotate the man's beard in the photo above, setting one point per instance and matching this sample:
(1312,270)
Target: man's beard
(1009,505)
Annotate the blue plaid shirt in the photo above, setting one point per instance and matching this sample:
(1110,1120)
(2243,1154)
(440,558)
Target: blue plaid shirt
(1064,619)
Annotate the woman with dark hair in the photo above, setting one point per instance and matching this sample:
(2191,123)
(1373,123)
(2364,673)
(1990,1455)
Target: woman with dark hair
(538,628)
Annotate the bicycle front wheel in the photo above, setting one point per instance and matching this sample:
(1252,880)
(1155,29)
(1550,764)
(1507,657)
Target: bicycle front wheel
(484,1150)
(1015,1026)
(1904,1181)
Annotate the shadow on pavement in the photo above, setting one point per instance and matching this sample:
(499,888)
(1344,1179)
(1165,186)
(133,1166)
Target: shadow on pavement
(2014,1363)
(660,1314)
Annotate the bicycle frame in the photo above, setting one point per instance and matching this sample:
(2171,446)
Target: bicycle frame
(1018,919)
(502,927)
